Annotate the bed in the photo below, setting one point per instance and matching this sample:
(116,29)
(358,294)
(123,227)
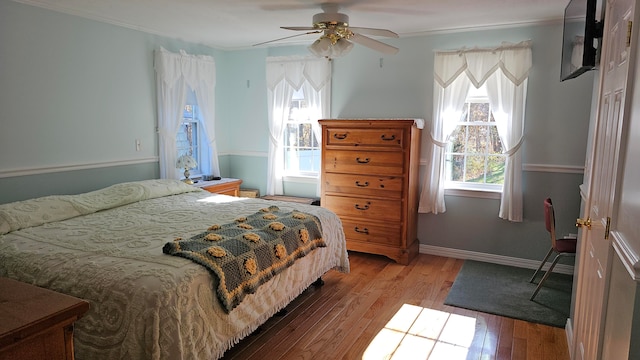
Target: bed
(106,247)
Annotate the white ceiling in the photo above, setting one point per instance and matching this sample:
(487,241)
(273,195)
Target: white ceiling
(235,24)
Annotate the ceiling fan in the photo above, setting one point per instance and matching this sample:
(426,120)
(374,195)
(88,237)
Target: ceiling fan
(337,36)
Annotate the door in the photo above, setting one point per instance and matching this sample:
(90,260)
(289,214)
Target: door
(596,249)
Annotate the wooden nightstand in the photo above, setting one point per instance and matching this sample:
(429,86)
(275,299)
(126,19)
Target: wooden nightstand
(225,186)
(36,323)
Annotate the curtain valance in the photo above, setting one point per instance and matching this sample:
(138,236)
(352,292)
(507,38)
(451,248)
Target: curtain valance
(194,68)
(479,64)
(297,70)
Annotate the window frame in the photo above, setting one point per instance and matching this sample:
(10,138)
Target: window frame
(289,174)
(198,148)
(472,189)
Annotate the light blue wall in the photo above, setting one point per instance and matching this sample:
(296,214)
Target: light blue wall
(77,93)
(366,84)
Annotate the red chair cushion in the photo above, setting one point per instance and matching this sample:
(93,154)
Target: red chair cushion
(566,245)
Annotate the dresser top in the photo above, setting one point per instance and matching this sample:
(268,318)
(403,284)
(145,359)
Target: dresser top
(202,183)
(26,309)
(418,122)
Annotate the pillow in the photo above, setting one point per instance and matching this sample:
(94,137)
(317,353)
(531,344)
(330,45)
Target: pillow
(34,212)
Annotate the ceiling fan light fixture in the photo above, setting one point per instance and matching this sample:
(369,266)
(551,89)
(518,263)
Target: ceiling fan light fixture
(338,37)
(342,47)
(330,47)
(321,47)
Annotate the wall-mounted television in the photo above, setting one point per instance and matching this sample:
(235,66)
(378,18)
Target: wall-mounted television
(581,37)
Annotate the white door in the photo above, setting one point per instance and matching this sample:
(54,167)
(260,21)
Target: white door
(596,247)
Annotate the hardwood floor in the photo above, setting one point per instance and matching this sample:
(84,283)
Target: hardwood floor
(382,310)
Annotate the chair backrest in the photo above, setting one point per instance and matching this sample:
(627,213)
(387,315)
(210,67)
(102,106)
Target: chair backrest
(550,220)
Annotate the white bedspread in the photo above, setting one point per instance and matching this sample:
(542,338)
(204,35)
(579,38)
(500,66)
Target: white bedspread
(106,247)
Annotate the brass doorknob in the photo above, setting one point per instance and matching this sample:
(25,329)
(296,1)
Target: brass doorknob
(584,222)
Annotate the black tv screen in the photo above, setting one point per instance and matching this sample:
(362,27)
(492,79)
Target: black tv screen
(581,36)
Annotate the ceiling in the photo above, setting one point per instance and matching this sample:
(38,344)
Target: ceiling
(236,24)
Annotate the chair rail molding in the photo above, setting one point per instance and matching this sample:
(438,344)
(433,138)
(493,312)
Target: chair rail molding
(550,168)
(73,167)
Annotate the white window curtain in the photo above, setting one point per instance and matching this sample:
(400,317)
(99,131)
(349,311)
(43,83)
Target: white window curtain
(175,74)
(284,76)
(505,71)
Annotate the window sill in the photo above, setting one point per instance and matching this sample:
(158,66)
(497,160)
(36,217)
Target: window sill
(473,193)
(301,179)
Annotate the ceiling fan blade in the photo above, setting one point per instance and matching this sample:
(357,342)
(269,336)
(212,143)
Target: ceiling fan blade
(282,7)
(373,44)
(374,32)
(298,28)
(288,37)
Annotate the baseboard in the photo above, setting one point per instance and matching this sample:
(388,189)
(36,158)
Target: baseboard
(492,258)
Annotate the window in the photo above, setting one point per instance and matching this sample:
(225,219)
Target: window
(301,147)
(196,74)
(293,150)
(455,73)
(474,154)
(188,137)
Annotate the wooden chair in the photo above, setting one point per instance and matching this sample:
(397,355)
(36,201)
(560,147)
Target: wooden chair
(563,247)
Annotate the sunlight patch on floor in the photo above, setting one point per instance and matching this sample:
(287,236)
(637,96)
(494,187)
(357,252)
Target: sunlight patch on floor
(417,333)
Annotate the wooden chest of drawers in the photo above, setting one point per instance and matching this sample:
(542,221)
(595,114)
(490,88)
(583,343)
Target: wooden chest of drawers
(370,179)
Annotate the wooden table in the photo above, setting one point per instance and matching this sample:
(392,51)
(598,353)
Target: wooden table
(36,323)
(225,186)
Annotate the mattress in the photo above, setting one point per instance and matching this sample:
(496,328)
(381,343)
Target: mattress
(106,247)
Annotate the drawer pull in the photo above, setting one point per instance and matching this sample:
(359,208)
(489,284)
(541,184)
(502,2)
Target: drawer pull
(365,207)
(390,138)
(363,161)
(361,231)
(359,184)
(340,136)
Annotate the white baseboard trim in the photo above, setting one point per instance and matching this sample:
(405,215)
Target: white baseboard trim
(492,258)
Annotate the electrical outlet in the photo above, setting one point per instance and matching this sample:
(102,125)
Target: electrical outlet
(138,146)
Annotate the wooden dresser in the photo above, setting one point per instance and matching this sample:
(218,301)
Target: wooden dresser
(370,179)
(36,323)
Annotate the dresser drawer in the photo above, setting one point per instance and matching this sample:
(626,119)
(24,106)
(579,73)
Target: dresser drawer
(389,234)
(364,162)
(391,138)
(364,208)
(362,184)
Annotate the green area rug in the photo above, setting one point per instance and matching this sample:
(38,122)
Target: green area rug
(505,290)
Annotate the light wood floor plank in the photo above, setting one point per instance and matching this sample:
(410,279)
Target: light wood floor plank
(382,310)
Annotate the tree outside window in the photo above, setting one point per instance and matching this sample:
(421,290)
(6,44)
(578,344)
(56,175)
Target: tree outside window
(474,155)
(301,148)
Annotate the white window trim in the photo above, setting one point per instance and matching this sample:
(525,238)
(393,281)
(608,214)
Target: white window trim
(473,193)
(202,148)
(291,174)
(469,189)
(302,179)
